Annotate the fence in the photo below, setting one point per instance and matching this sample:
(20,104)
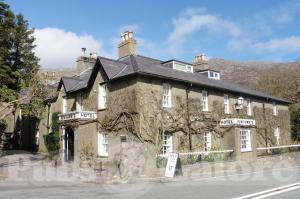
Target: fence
(262,151)
(187,158)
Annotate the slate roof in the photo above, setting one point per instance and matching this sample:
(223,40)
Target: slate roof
(141,65)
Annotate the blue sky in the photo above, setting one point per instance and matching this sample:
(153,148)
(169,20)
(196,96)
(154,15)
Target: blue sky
(235,30)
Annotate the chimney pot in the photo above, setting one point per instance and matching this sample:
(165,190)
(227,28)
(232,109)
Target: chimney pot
(128,45)
(83,51)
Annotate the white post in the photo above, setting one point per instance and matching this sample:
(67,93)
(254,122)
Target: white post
(63,144)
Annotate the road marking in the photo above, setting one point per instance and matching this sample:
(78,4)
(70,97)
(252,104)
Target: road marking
(277,192)
(271,192)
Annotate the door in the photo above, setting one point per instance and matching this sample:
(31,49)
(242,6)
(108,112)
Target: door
(69,145)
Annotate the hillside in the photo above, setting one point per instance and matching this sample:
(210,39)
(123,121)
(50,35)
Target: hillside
(246,73)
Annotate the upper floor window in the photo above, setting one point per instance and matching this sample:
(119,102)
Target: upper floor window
(102,96)
(102,144)
(167,97)
(226,104)
(207,141)
(204,101)
(168,144)
(213,75)
(79,105)
(275,111)
(245,138)
(64,105)
(277,135)
(249,107)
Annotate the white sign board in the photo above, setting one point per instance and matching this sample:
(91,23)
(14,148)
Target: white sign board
(236,121)
(171,165)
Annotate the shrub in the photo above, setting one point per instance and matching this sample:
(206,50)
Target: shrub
(52,143)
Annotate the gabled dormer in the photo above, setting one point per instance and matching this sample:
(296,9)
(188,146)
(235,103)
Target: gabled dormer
(179,65)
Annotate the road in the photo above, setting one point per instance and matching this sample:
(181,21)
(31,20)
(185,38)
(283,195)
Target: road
(230,186)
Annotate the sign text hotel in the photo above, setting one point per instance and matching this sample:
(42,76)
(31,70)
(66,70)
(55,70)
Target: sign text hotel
(237,121)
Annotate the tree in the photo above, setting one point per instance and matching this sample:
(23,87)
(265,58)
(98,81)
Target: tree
(18,63)
(295,119)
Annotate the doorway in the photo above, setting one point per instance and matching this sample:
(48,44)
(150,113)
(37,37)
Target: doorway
(69,145)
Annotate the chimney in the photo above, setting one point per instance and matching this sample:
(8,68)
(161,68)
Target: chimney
(201,63)
(84,62)
(128,45)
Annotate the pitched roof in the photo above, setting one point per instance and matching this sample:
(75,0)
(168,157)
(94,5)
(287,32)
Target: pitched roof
(137,64)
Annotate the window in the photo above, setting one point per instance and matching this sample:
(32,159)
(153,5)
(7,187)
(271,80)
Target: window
(277,135)
(182,66)
(102,96)
(245,140)
(102,144)
(275,111)
(249,107)
(64,105)
(79,106)
(207,141)
(167,148)
(204,101)
(213,75)
(167,95)
(226,104)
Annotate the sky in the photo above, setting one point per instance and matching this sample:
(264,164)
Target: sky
(236,30)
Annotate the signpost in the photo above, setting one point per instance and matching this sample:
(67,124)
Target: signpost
(171,165)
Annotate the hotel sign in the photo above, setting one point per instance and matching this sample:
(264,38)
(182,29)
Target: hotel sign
(237,121)
(85,115)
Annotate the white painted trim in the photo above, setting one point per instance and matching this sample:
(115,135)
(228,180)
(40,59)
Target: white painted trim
(278,147)
(197,153)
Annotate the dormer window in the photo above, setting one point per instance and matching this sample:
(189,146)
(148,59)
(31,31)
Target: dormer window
(214,75)
(178,65)
(210,74)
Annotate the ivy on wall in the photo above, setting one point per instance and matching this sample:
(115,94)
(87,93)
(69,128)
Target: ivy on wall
(52,139)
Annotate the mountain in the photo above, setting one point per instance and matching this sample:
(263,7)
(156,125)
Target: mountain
(247,72)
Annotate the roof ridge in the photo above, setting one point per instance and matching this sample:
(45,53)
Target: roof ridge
(134,63)
(114,60)
(149,58)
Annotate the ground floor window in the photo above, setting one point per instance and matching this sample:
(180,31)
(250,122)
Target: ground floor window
(168,146)
(245,137)
(207,141)
(102,144)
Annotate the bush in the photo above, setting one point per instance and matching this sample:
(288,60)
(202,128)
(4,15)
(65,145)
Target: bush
(295,121)
(3,126)
(52,143)
(161,162)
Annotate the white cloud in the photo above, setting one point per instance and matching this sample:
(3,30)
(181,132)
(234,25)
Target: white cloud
(58,48)
(195,20)
(286,45)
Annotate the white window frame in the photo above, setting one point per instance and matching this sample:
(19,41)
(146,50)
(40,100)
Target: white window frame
(79,105)
(204,100)
(277,135)
(207,141)
(245,140)
(226,104)
(102,98)
(167,144)
(167,95)
(64,105)
(275,110)
(102,144)
(249,107)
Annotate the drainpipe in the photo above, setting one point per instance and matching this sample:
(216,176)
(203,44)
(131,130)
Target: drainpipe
(188,116)
(48,118)
(265,127)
